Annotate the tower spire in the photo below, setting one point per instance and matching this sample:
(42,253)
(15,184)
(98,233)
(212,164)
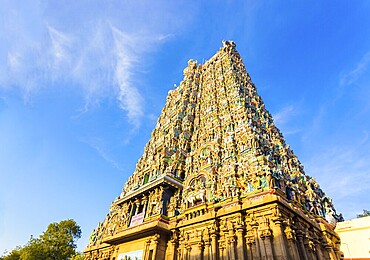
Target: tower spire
(217,164)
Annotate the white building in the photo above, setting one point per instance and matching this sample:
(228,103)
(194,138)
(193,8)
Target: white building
(355,238)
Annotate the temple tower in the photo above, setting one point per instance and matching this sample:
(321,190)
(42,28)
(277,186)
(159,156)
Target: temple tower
(217,181)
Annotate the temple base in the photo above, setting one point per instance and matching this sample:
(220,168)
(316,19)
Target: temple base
(261,226)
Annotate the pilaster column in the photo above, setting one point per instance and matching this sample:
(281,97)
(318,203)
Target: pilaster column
(196,251)
(319,254)
(224,246)
(137,202)
(214,248)
(292,245)
(310,248)
(188,252)
(256,245)
(230,240)
(222,251)
(178,254)
(200,252)
(144,202)
(146,249)
(330,250)
(280,245)
(337,252)
(240,242)
(172,249)
(155,247)
(207,246)
(266,238)
(231,247)
(250,241)
(181,249)
(301,245)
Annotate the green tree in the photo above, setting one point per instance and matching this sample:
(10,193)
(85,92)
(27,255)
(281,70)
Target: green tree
(58,242)
(15,254)
(60,239)
(34,249)
(78,256)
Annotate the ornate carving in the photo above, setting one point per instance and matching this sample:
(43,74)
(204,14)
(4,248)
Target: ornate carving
(214,147)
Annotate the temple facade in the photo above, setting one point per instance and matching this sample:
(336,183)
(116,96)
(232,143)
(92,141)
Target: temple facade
(217,181)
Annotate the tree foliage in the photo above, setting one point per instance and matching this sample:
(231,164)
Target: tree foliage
(78,256)
(366,213)
(13,255)
(58,242)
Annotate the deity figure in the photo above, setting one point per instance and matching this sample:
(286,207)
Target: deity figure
(93,238)
(124,215)
(270,180)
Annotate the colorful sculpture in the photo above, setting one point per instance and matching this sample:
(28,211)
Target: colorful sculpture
(215,156)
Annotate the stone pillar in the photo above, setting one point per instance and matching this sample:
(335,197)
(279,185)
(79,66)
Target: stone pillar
(253,244)
(171,249)
(115,255)
(196,251)
(249,241)
(178,254)
(266,236)
(226,246)
(331,252)
(280,244)
(231,247)
(230,240)
(200,253)
(187,252)
(256,245)
(207,248)
(155,247)
(337,252)
(222,251)
(290,235)
(146,249)
(144,202)
(223,245)
(240,242)
(319,254)
(310,248)
(317,247)
(181,249)
(137,202)
(301,245)
(214,248)
(193,254)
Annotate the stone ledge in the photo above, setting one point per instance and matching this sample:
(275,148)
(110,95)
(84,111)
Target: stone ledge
(139,231)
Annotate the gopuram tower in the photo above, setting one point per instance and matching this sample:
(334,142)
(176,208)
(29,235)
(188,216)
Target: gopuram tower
(217,181)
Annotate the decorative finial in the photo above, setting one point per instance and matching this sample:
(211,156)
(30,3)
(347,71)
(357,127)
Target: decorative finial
(228,44)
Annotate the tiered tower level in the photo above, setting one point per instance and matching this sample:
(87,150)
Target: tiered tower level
(217,181)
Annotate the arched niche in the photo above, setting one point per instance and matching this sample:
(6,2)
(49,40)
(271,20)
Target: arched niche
(196,190)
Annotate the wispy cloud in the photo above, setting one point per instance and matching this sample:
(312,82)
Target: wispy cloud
(284,115)
(127,49)
(59,49)
(14,61)
(101,52)
(343,172)
(99,146)
(283,119)
(353,75)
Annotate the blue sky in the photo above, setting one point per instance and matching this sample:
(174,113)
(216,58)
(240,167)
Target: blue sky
(82,84)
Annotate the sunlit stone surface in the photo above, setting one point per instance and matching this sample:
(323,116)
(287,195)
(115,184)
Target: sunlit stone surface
(217,181)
